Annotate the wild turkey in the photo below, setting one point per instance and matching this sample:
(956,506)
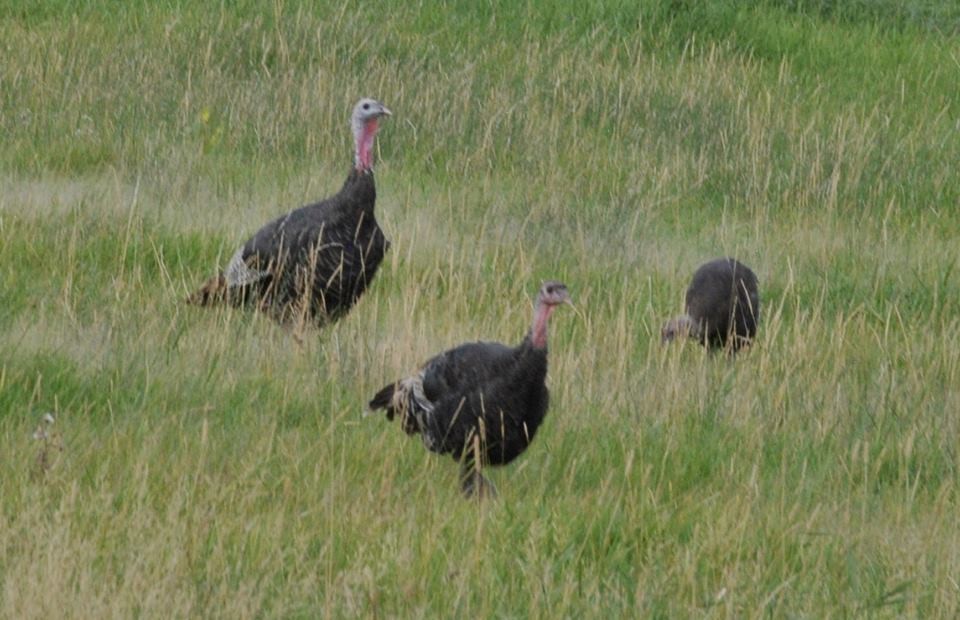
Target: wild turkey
(723,306)
(315,261)
(480,402)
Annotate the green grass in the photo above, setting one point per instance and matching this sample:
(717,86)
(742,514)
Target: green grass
(205,464)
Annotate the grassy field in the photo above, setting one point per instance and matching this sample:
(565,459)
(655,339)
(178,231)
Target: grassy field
(205,464)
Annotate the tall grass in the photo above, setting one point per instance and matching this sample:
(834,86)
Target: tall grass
(208,464)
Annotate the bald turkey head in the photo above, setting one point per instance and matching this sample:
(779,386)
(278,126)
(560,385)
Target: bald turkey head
(679,327)
(551,295)
(365,122)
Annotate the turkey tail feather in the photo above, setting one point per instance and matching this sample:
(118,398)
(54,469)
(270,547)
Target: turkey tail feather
(384,399)
(406,400)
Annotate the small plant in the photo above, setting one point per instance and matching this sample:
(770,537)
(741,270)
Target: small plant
(51,445)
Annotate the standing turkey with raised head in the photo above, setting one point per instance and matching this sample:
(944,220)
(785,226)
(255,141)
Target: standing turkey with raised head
(722,307)
(315,261)
(480,402)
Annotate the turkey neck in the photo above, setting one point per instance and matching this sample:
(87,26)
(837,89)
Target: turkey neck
(358,194)
(538,333)
(363,135)
(693,328)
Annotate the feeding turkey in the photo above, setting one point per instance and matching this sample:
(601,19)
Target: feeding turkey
(316,261)
(480,402)
(722,306)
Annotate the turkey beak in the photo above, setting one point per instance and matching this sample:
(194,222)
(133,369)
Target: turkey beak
(385,111)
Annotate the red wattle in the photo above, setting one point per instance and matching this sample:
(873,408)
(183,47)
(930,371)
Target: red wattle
(539,332)
(365,146)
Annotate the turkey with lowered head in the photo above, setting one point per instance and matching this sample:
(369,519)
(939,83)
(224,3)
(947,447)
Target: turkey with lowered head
(722,307)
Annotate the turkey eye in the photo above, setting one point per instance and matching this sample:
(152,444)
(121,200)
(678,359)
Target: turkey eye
(550,289)
(366,106)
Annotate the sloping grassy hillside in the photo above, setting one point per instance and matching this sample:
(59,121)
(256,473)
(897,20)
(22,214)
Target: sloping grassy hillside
(209,464)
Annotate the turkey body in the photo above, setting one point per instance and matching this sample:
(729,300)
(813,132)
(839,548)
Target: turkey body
(723,302)
(318,259)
